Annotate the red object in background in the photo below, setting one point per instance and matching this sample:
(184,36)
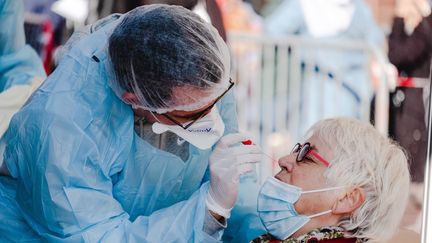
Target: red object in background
(247,142)
(405,82)
(48,45)
(39,32)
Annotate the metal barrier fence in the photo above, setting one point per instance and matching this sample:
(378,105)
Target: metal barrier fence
(283,86)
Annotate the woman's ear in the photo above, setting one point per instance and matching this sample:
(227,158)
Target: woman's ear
(351,201)
(130,98)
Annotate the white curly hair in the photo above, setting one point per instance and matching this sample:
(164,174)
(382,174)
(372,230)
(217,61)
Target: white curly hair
(365,158)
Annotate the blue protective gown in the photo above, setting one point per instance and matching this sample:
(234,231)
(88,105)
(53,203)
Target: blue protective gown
(82,174)
(19,63)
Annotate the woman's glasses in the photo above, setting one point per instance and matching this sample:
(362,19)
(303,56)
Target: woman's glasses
(306,149)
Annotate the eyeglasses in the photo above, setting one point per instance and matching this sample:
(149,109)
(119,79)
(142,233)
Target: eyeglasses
(202,113)
(306,149)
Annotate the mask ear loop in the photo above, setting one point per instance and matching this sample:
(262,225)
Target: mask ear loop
(135,107)
(155,117)
(320,214)
(323,190)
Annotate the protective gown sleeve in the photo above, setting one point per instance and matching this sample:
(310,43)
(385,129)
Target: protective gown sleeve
(244,224)
(19,63)
(65,190)
(286,19)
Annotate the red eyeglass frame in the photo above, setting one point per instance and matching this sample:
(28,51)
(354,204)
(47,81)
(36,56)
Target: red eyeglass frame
(305,149)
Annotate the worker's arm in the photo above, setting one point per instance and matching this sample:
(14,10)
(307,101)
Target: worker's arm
(66,191)
(65,187)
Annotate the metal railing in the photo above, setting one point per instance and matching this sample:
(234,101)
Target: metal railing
(278,79)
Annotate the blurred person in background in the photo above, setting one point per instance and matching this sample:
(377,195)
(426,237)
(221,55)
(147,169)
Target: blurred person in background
(410,50)
(240,16)
(207,9)
(410,42)
(125,140)
(339,20)
(21,70)
(45,30)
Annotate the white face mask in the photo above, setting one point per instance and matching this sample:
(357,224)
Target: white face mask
(203,134)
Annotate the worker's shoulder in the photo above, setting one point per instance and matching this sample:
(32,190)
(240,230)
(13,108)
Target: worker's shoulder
(46,111)
(92,38)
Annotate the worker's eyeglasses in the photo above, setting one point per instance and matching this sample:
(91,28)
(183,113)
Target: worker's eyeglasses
(202,113)
(305,150)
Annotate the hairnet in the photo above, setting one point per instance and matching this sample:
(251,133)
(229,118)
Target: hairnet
(169,58)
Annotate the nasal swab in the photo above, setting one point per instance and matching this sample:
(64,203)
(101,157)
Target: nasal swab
(249,142)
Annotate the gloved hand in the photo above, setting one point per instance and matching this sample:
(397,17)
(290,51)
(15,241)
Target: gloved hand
(229,160)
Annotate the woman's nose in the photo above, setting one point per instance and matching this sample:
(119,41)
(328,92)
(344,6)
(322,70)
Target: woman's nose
(287,162)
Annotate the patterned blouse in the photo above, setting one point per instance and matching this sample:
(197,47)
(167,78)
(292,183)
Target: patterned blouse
(330,234)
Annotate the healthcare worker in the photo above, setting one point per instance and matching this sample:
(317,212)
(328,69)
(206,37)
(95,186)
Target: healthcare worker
(21,70)
(116,145)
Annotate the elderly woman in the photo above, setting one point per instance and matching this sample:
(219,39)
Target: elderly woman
(346,183)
